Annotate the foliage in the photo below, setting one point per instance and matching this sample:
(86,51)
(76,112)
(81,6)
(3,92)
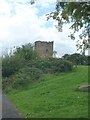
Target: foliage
(26,52)
(54,96)
(60,65)
(24,66)
(11,64)
(52,65)
(77,13)
(33,70)
(22,78)
(76,58)
(19,72)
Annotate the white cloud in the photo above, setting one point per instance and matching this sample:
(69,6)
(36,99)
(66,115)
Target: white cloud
(4,7)
(27,26)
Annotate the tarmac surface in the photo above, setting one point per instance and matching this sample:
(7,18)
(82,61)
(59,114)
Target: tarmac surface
(8,108)
(0,104)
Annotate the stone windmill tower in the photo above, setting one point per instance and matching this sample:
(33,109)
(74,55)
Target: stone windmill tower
(44,49)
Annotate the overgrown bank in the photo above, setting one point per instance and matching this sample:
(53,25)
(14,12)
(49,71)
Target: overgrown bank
(54,96)
(46,88)
(24,67)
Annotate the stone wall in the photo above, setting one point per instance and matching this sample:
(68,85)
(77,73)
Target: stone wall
(44,49)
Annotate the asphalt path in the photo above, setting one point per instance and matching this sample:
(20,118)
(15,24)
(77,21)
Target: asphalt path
(0,104)
(8,108)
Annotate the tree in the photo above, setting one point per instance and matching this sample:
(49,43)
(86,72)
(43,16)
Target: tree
(22,55)
(26,52)
(76,58)
(77,13)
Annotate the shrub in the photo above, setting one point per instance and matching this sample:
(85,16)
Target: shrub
(60,65)
(32,72)
(23,78)
(76,58)
(34,69)
(52,65)
(10,65)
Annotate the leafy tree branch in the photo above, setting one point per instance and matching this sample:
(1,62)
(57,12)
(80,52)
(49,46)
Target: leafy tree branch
(77,13)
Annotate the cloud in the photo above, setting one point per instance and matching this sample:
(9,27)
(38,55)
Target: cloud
(4,7)
(21,23)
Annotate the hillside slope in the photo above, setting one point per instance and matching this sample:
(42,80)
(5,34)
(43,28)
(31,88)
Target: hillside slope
(55,96)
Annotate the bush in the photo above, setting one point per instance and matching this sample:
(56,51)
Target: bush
(32,72)
(23,78)
(76,58)
(60,65)
(11,65)
(52,65)
(19,72)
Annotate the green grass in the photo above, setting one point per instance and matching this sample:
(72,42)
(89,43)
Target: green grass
(55,96)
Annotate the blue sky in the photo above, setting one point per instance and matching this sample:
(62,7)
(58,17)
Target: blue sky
(22,23)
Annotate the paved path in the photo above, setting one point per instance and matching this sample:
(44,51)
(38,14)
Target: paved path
(0,104)
(8,109)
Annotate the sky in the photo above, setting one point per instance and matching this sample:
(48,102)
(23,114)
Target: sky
(22,23)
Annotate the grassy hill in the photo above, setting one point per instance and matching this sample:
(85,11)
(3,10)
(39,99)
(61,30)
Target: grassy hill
(54,96)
